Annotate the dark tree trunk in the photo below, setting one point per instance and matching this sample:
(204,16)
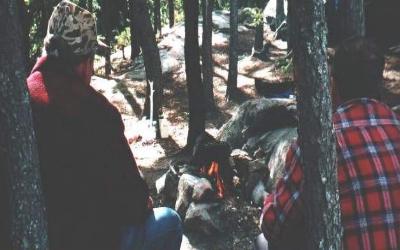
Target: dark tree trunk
(317,143)
(280,12)
(157,17)
(82,3)
(259,35)
(193,73)
(21,189)
(151,55)
(107,19)
(23,13)
(206,54)
(233,50)
(332,22)
(171,13)
(135,47)
(351,18)
(90,5)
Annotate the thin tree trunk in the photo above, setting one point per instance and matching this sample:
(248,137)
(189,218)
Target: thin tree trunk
(25,32)
(135,47)
(233,53)
(171,13)
(206,50)
(18,151)
(280,12)
(82,3)
(317,143)
(107,22)
(352,18)
(193,74)
(157,17)
(259,35)
(151,56)
(90,5)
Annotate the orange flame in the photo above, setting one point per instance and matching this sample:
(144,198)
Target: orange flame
(213,171)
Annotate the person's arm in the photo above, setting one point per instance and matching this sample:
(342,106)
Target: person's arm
(283,208)
(127,189)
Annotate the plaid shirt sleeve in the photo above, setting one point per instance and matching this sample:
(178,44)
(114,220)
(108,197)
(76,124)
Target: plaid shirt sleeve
(284,205)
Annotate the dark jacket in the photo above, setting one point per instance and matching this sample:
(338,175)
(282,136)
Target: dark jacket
(91,183)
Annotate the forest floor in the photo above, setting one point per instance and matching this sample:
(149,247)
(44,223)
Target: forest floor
(126,89)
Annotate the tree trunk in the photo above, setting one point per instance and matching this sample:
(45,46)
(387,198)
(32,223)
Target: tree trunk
(280,12)
(233,53)
(25,32)
(18,151)
(259,35)
(193,74)
(206,50)
(135,48)
(157,17)
(317,143)
(171,13)
(90,5)
(352,18)
(82,3)
(151,55)
(107,23)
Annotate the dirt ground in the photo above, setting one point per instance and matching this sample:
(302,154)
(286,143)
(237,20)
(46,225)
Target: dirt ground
(126,88)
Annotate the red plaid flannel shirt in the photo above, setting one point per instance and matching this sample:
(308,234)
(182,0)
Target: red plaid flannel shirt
(368,146)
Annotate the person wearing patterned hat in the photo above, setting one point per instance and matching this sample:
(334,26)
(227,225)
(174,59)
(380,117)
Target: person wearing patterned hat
(95,195)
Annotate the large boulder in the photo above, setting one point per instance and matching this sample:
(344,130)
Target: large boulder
(277,158)
(256,117)
(185,193)
(204,218)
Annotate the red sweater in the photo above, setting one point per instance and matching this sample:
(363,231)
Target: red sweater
(91,183)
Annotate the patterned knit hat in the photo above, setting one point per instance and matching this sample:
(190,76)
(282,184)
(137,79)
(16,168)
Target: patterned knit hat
(75,26)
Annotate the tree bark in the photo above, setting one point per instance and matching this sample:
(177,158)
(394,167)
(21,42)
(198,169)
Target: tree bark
(351,18)
(193,73)
(18,151)
(151,55)
(233,47)
(280,12)
(157,17)
(108,20)
(171,13)
(135,47)
(316,139)
(259,35)
(206,50)
(90,5)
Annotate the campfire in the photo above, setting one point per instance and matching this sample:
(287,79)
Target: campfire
(200,186)
(213,172)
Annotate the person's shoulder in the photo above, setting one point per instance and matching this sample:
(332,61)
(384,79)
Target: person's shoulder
(37,89)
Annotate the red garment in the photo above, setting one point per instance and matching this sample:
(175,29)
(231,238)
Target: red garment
(91,183)
(368,152)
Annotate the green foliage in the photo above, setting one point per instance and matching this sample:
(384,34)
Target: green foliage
(285,64)
(124,38)
(251,16)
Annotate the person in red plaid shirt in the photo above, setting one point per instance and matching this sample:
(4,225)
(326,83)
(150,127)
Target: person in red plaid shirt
(368,162)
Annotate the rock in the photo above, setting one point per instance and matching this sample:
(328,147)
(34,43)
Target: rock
(256,180)
(204,218)
(274,89)
(259,193)
(167,186)
(267,142)
(256,117)
(160,184)
(185,192)
(277,159)
(203,191)
(396,109)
